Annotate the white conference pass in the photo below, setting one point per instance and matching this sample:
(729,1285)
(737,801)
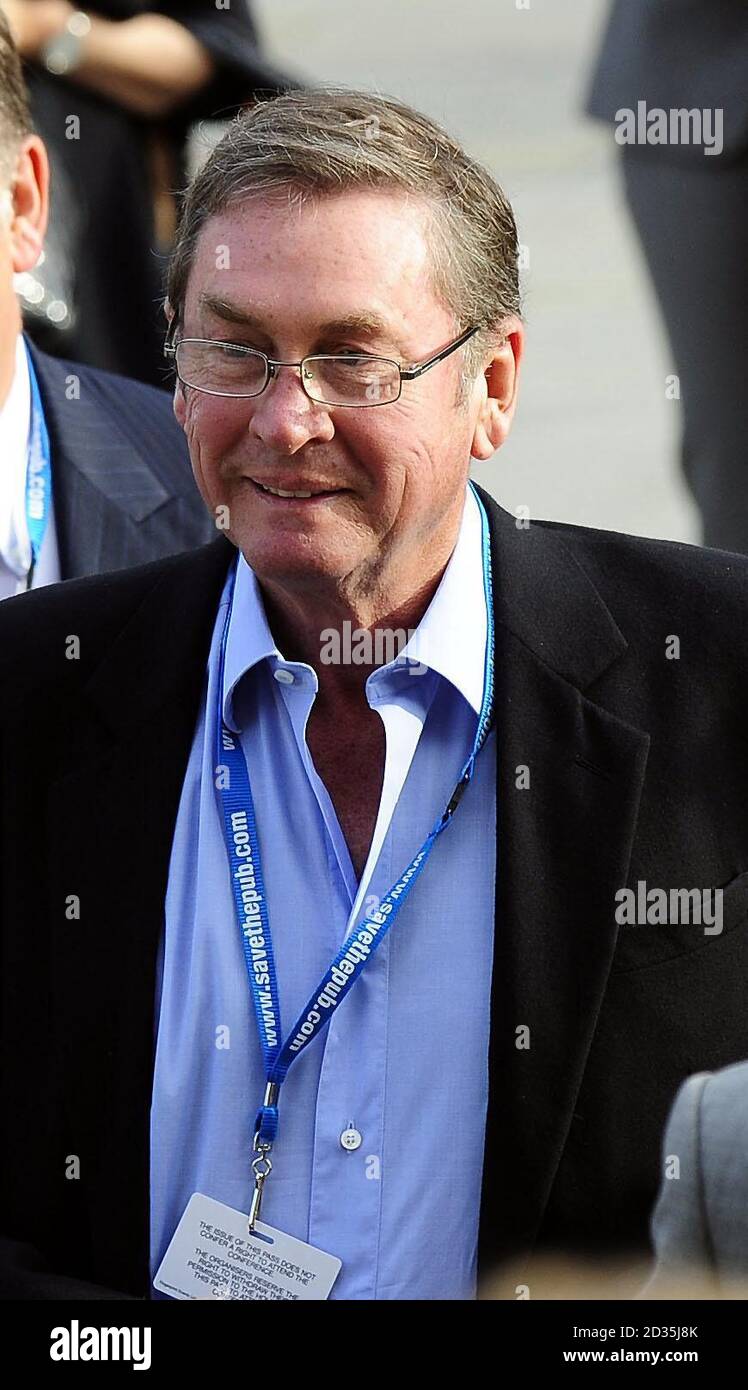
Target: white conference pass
(212,1255)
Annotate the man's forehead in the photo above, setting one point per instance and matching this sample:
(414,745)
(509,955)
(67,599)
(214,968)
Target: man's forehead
(361,238)
(354,263)
(336,287)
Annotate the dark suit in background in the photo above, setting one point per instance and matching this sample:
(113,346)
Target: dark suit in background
(638,771)
(691,213)
(122,484)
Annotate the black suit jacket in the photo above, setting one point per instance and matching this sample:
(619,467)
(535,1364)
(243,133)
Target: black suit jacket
(638,771)
(122,483)
(674,54)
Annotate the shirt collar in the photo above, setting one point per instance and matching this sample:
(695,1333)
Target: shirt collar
(15,416)
(450,638)
(249,638)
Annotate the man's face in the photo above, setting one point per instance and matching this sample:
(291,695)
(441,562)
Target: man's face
(393,475)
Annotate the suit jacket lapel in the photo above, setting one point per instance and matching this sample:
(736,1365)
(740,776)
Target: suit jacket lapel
(111,822)
(98,475)
(563,848)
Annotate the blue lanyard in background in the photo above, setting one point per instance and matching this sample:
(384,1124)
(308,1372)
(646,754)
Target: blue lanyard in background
(243,852)
(38,473)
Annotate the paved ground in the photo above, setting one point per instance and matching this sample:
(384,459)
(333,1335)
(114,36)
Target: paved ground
(595,440)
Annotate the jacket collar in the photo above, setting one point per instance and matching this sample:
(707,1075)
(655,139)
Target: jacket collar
(545,599)
(93,443)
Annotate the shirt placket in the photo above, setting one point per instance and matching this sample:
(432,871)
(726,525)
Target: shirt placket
(350,1119)
(350,1110)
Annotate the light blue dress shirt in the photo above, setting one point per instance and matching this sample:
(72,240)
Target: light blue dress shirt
(404,1059)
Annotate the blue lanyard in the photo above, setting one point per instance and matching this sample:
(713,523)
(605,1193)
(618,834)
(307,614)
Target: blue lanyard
(38,472)
(243,851)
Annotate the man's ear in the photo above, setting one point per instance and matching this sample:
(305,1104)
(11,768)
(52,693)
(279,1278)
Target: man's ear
(498,389)
(29,191)
(178,402)
(179,405)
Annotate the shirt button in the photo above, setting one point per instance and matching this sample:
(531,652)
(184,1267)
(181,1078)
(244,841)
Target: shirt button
(351,1139)
(285,677)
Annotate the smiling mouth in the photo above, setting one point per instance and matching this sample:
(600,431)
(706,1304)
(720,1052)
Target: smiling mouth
(300,495)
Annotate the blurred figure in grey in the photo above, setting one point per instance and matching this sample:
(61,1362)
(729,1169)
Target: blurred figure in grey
(94,471)
(134,75)
(700,1223)
(673,77)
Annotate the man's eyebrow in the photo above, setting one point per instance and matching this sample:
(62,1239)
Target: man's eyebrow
(356,322)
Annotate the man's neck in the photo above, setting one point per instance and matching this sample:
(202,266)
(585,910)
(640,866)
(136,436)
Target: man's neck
(6,381)
(301,629)
(302,637)
(8,359)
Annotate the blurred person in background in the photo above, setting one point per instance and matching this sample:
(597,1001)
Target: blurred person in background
(700,1223)
(689,203)
(94,473)
(113,91)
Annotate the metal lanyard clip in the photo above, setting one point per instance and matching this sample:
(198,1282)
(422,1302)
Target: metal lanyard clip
(262,1167)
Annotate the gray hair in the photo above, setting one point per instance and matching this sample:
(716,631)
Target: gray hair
(319,141)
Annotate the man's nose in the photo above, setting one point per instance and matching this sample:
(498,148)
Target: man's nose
(284,418)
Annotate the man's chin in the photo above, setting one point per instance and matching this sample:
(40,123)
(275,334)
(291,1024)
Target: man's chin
(291,560)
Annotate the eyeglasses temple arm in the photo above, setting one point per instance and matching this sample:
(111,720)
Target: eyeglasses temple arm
(410,373)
